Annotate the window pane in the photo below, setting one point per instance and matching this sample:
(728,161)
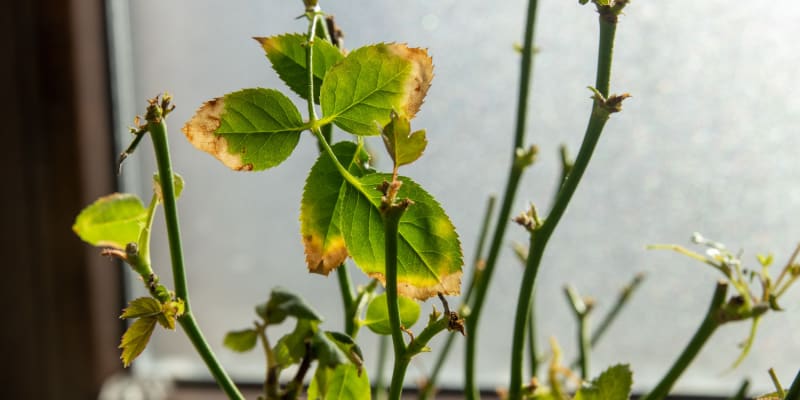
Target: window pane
(708,143)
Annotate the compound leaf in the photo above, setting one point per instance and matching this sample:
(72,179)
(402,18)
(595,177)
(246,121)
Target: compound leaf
(319,218)
(248,130)
(377,319)
(429,255)
(287,53)
(111,221)
(136,338)
(360,92)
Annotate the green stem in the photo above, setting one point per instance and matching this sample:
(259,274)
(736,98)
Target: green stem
(612,314)
(581,312)
(740,394)
(704,332)
(514,174)
(271,380)
(380,389)
(348,299)
(158,133)
(430,383)
(539,239)
(584,346)
(533,355)
(482,284)
(312,27)
(777,383)
(794,390)
(200,344)
(391,223)
(345,284)
(523,307)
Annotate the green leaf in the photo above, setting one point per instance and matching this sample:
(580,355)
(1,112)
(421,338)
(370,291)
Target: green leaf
(111,221)
(359,93)
(765,260)
(346,382)
(178,182)
(327,351)
(429,251)
(252,129)
(291,348)
(613,384)
(282,304)
(141,307)
(241,341)
(287,53)
(319,212)
(403,147)
(377,319)
(348,346)
(136,338)
(319,384)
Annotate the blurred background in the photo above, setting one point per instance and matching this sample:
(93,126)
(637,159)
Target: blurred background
(707,143)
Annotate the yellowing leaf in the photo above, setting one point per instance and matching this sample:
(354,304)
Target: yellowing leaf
(429,255)
(136,338)
(248,130)
(370,82)
(111,221)
(319,217)
(142,307)
(169,312)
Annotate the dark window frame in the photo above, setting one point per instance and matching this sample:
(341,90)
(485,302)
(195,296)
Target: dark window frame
(62,300)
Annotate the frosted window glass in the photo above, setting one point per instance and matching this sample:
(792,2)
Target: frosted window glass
(707,143)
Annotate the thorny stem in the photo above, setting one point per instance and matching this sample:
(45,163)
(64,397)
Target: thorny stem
(599,116)
(711,322)
(158,134)
(430,383)
(514,174)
